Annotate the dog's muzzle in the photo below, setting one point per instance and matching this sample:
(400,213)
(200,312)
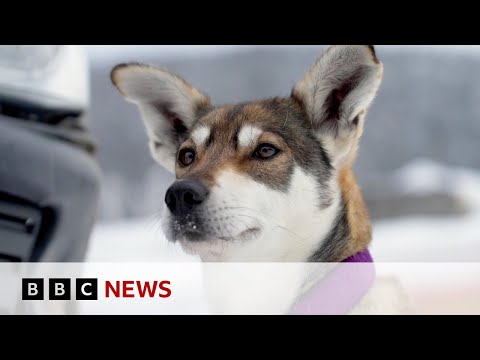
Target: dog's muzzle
(184,196)
(195,217)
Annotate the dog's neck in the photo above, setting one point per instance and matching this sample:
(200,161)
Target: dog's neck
(350,232)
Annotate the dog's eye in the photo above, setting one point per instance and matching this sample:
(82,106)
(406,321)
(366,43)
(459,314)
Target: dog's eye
(186,156)
(265,151)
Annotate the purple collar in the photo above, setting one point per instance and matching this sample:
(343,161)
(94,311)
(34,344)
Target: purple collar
(360,257)
(341,289)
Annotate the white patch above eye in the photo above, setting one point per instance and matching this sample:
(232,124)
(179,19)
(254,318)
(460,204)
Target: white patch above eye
(248,135)
(200,135)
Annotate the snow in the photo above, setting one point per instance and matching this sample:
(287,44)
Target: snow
(428,239)
(139,240)
(423,239)
(425,176)
(419,239)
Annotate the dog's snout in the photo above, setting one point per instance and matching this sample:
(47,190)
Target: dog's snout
(183,196)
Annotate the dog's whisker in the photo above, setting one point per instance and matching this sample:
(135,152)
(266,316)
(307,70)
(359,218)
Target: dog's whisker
(310,190)
(154,222)
(247,208)
(291,232)
(151,220)
(279,226)
(268,216)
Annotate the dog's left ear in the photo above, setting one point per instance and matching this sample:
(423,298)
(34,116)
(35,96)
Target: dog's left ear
(336,93)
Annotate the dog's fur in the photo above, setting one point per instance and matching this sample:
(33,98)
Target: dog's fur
(300,205)
(303,204)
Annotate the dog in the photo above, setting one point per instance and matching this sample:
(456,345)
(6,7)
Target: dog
(268,180)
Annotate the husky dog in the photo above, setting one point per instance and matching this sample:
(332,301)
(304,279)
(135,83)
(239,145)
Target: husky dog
(268,180)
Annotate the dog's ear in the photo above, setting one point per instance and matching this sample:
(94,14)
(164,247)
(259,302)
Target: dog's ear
(167,103)
(335,94)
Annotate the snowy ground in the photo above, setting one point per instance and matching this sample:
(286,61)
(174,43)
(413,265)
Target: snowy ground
(419,239)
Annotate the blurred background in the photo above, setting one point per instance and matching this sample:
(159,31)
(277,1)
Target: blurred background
(70,144)
(418,164)
(77,182)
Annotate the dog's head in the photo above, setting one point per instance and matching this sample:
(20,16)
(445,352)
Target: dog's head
(260,180)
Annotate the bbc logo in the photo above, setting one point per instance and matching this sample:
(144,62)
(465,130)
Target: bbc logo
(59,289)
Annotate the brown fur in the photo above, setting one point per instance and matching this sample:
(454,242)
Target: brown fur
(357,213)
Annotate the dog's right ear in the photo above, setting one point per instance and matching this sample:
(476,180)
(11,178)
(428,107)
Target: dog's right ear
(168,105)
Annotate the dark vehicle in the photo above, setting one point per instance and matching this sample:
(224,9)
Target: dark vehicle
(49,177)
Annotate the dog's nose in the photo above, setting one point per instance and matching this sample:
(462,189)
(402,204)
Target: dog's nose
(183,196)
